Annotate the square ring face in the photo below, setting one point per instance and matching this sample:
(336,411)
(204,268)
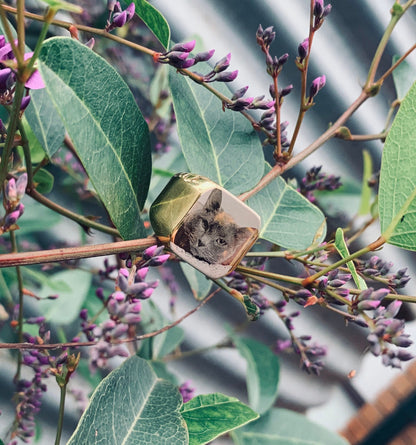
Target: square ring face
(216,233)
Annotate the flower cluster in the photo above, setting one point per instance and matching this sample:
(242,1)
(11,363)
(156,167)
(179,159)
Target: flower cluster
(117,17)
(29,392)
(379,270)
(123,307)
(8,76)
(311,354)
(387,331)
(13,193)
(320,12)
(250,287)
(315,180)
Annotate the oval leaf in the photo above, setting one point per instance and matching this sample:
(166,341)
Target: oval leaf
(132,406)
(210,415)
(107,129)
(72,287)
(219,145)
(397,192)
(284,427)
(262,373)
(44,121)
(154,21)
(288,218)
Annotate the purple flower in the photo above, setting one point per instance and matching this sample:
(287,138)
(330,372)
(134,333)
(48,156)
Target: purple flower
(187,392)
(303,49)
(316,86)
(222,64)
(117,17)
(186,47)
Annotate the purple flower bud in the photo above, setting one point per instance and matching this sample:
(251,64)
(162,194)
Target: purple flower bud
(141,273)
(147,293)
(283,59)
(239,93)
(303,49)
(318,8)
(21,185)
(404,356)
(108,325)
(393,308)
(239,104)
(183,47)
(152,251)
(379,294)
(83,314)
(119,330)
(159,260)
(285,91)
(222,64)
(131,318)
(402,341)
(5,74)
(119,19)
(25,102)
(184,64)
(316,86)
(368,305)
(90,44)
(327,10)
(204,56)
(130,10)
(226,76)
(268,36)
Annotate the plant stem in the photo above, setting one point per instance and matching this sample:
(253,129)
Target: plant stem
(82,220)
(74,253)
(11,131)
(61,414)
(20,315)
(273,276)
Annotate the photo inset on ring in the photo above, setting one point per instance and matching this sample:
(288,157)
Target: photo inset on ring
(211,232)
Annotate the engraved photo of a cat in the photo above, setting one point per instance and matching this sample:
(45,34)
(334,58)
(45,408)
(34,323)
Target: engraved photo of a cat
(210,234)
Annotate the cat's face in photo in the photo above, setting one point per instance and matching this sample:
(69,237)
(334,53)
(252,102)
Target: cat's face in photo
(210,234)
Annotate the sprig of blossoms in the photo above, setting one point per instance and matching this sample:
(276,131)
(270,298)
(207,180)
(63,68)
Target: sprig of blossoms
(123,307)
(117,18)
(8,75)
(13,193)
(311,354)
(316,180)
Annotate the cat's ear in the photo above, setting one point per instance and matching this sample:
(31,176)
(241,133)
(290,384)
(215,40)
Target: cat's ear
(243,233)
(213,203)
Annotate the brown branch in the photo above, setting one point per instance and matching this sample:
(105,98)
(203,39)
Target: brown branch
(74,253)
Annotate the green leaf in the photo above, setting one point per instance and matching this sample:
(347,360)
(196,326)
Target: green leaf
(219,145)
(44,121)
(199,283)
(107,129)
(403,77)
(284,427)
(44,181)
(72,287)
(132,406)
(262,375)
(164,343)
(154,20)
(288,218)
(342,249)
(397,193)
(210,415)
(366,191)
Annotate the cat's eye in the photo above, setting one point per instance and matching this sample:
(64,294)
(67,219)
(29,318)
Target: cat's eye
(204,224)
(221,241)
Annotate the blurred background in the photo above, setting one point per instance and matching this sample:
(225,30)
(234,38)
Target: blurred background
(342,50)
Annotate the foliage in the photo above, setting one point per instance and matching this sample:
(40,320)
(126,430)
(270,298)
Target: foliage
(86,140)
